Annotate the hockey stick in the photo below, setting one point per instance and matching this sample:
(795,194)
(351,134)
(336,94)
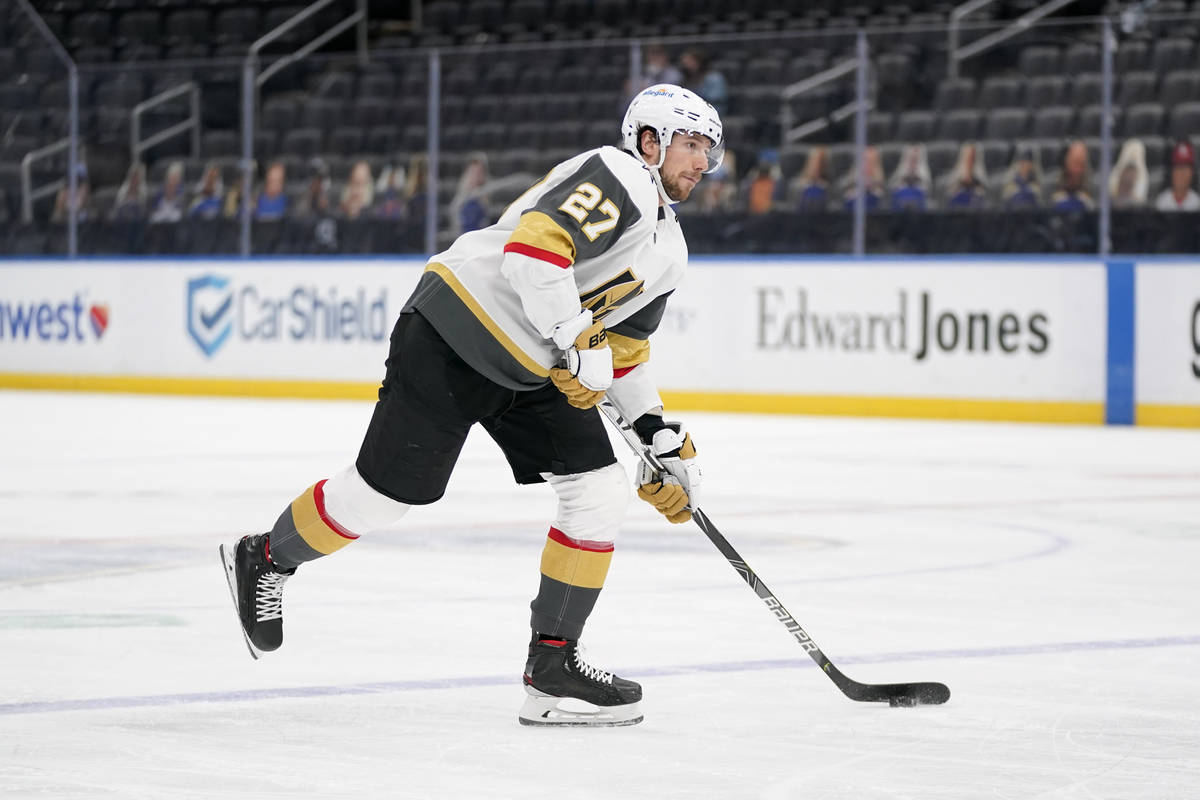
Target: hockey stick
(896,694)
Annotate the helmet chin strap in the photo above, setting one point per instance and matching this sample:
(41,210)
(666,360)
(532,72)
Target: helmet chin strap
(656,176)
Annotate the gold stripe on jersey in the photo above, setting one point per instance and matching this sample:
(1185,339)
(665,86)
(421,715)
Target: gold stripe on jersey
(523,358)
(627,351)
(539,230)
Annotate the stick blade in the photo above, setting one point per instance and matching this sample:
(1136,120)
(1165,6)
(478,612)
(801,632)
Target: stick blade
(900,694)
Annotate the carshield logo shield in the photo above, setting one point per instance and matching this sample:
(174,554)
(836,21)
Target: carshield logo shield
(209,312)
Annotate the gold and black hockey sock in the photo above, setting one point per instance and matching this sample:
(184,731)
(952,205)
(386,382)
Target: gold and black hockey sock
(304,531)
(573,573)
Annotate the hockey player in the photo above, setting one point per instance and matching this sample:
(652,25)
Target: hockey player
(523,327)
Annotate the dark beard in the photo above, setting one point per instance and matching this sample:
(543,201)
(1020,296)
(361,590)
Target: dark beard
(676,191)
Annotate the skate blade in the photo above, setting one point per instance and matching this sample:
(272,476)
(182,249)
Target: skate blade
(227,559)
(542,710)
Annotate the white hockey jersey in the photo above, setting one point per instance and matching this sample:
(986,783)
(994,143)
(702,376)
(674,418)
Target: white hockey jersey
(595,215)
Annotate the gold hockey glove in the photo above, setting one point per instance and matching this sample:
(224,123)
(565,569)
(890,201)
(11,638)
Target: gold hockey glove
(673,493)
(587,372)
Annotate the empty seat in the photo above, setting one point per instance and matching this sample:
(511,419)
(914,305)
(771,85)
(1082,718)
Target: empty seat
(1138,87)
(335,84)
(1053,121)
(1172,54)
(302,142)
(381,139)
(221,143)
(320,112)
(456,138)
(942,155)
(17,97)
(371,111)
(346,139)
(1040,60)
(955,93)
(997,155)
(123,92)
(138,26)
(279,113)
(1144,119)
(879,126)
(1185,121)
(1081,57)
(1091,117)
(1000,92)
(1087,89)
(762,71)
(1180,86)
(89,28)
(379,85)
(1132,55)
(1006,123)
(1046,90)
(236,26)
(915,126)
(959,125)
(187,25)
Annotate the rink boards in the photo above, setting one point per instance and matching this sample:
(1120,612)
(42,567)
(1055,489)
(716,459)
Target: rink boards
(1039,340)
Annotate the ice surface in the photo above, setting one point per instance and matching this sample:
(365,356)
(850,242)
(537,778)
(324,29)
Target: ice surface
(1047,574)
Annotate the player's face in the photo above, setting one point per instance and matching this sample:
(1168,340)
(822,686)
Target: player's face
(684,165)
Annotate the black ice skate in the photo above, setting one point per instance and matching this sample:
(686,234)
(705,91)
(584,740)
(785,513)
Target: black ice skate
(557,674)
(257,588)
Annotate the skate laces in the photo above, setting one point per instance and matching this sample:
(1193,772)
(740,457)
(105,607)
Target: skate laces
(589,671)
(268,597)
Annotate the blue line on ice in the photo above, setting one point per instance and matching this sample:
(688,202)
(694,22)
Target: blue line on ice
(253,695)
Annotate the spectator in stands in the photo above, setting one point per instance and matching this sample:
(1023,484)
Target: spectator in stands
(1074,191)
(872,171)
(389,193)
(168,205)
(359,193)
(130,204)
(656,68)
(761,186)
(469,206)
(209,194)
(1129,181)
(1181,194)
(812,186)
(718,193)
(83,198)
(272,203)
(1023,182)
(967,187)
(314,203)
(911,181)
(703,79)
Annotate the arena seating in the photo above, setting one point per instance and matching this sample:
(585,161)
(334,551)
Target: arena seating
(526,108)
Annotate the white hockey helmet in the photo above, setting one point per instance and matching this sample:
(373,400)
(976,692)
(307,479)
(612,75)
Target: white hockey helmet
(668,108)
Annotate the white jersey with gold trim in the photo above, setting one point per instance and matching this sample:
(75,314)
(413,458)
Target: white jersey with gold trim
(592,228)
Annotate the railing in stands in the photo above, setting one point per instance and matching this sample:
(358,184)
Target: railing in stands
(253,79)
(31,194)
(793,133)
(70,144)
(957,54)
(138,145)
(957,15)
